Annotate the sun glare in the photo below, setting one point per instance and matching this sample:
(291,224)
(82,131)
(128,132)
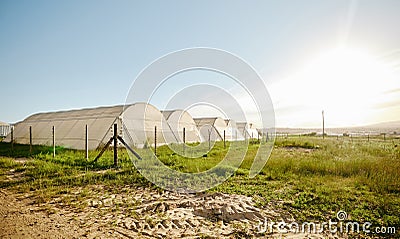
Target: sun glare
(346,83)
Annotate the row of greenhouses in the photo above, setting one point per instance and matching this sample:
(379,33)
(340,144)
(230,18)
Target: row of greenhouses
(139,124)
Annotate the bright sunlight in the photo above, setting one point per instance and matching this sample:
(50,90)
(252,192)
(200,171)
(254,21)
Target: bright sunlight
(347,83)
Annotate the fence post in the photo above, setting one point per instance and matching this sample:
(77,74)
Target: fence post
(54,141)
(30,139)
(323,125)
(12,138)
(155,140)
(115,137)
(224,140)
(184,139)
(209,140)
(368,137)
(86,142)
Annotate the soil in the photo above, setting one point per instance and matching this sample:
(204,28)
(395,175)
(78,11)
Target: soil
(99,211)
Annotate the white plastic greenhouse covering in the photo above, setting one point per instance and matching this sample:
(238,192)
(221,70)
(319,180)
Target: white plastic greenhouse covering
(247,130)
(141,121)
(232,133)
(179,119)
(136,123)
(69,127)
(212,128)
(4,129)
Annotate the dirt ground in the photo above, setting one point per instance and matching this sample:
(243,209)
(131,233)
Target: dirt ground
(165,215)
(127,212)
(20,219)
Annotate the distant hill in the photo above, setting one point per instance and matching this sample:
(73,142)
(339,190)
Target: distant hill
(389,124)
(390,127)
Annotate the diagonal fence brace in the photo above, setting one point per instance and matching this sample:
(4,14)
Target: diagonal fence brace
(115,138)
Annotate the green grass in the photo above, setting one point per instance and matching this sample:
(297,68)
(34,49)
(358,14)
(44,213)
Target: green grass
(23,150)
(360,178)
(306,177)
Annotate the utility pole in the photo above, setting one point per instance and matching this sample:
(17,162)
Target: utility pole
(323,125)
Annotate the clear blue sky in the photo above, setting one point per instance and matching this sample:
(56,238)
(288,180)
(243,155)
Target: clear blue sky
(58,55)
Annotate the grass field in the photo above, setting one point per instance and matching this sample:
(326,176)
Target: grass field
(308,177)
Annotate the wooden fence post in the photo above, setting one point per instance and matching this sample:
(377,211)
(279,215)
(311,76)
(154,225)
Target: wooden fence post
(12,138)
(54,141)
(184,139)
(115,137)
(209,140)
(30,140)
(86,142)
(155,140)
(323,125)
(224,140)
